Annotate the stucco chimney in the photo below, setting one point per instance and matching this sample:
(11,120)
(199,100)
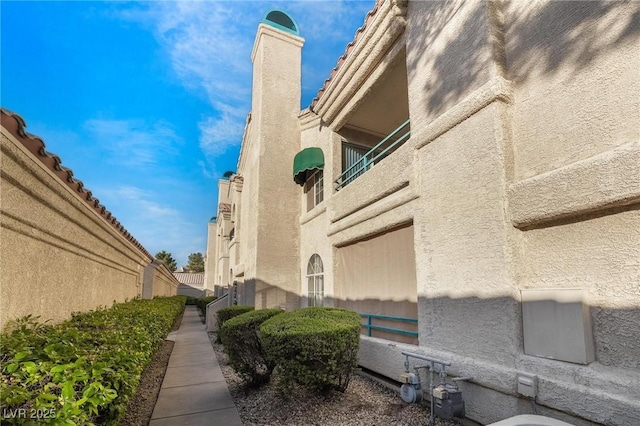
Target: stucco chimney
(274,142)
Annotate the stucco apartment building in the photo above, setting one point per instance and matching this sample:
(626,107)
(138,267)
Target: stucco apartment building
(473,166)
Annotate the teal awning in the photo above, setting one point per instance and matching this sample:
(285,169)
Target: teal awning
(305,162)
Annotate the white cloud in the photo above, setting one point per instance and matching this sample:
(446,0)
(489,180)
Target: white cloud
(157,225)
(210,42)
(315,17)
(218,134)
(208,46)
(134,143)
(208,171)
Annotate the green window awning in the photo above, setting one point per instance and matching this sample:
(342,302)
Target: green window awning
(306,162)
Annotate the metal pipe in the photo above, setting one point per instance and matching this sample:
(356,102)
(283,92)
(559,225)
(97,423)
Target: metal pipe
(424,358)
(432,362)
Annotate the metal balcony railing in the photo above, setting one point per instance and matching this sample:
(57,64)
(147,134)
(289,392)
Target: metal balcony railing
(370,327)
(375,154)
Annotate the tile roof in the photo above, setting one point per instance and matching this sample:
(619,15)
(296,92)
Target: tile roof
(196,278)
(367,20)
(15,124)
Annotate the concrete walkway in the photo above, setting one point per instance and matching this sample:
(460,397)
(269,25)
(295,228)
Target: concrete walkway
(194,391)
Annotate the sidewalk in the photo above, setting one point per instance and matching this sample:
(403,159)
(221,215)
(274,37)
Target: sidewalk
(194,391)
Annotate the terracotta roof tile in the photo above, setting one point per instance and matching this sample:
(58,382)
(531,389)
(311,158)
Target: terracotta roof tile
(190,278)
(15,124)
(368,18)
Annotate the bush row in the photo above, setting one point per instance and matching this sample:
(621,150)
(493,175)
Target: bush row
(241,339)
(316,348)
(225,314)
(85,370)
(200,302)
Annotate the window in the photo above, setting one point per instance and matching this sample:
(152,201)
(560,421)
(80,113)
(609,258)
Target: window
(352,156)
(315,281)
(314,188)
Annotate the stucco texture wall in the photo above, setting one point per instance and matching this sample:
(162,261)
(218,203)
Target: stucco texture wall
(576,129)
(58,255)
(521,173)
(269,209)
(448,55)
(164,283)
(575,72)
(464,274)
(314,223)
(535,187)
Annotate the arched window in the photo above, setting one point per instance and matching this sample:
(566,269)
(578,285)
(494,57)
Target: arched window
(315,281)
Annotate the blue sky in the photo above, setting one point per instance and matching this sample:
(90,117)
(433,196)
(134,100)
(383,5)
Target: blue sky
(146,101)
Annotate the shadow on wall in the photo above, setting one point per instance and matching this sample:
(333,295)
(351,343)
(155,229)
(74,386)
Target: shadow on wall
(262,295)
(459,66)
(492,328)
(485,338)
(187,290)
(486,328)
(568,33)
(539,38)
(617,336)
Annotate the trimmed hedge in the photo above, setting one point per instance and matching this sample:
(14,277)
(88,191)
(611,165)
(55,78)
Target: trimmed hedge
(225,314)
(202,302)
(315,347)
(85,370)
(241,339)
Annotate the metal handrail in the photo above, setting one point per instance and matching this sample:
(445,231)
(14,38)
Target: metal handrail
(366,162)
(371,327)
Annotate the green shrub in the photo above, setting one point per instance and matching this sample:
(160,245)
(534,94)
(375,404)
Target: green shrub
(183,299)
(225,314)
(241,339)
(202,302)
(84,370)
(314,347)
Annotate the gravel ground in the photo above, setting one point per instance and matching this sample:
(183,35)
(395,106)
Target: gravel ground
(364,403)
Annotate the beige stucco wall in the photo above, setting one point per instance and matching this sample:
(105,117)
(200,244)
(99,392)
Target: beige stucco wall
(58,254)
(269,227)
(314,223)
(217,273)
(492,222)
(522,172)
(449,55)
(164,283)
(210,270)
(555,52)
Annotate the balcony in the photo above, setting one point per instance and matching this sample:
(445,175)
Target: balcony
(358,164)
